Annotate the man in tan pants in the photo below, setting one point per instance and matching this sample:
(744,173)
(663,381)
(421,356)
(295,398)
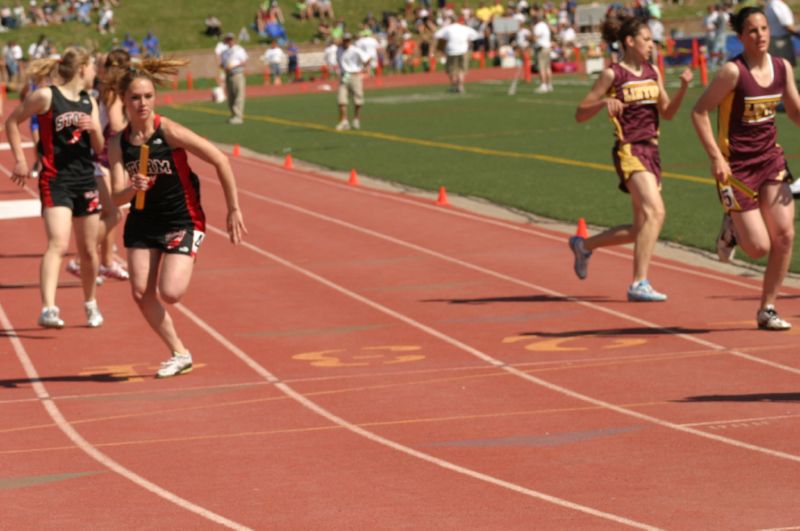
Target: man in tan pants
(233,61)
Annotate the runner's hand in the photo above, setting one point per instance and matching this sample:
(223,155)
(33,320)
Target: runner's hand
(236,228)
(20,173)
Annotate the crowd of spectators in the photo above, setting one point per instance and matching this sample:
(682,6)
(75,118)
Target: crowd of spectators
(55,12)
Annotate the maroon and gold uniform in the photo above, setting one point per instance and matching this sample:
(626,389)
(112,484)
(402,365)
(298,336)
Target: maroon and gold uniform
(67,176)
(747,136)
(172,219)
(636,129)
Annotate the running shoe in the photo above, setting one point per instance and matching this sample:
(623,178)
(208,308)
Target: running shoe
(356,123)
(177,364)
(115,270)
(49,318)
(94,318)
(344,125)
(768,319)
(74,269)
(581,256)
(642,291)
(726,241)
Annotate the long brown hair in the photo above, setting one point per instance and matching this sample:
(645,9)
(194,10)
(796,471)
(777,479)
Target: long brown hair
(158,71)
(67,66)
(618,27)
(116,60)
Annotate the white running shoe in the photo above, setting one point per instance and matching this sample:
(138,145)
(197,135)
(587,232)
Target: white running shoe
(356,124)
(94,318)
(768,319)
(642,291)
(115,270)
(177,364)
(726,241)
(49,318)
(344,125)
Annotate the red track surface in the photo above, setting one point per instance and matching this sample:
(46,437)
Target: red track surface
(369,360)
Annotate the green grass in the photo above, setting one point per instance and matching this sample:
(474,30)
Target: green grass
(437,143)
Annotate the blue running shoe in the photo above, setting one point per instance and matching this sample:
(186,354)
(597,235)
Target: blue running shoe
(642,291)
(581,256)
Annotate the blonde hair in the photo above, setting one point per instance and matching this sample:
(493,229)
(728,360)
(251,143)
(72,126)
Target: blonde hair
(67,67)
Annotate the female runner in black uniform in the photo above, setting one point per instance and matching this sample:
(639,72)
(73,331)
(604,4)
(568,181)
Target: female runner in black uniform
(69,133)
(162,238)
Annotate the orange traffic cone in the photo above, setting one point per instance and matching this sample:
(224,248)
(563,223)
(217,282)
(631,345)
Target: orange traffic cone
(353,180)
(189,81)
(442,199)
(236,150)
(703,70)
(287,161)
(582,232)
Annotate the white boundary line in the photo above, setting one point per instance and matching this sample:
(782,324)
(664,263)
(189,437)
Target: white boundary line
(489,272)
(397,197)
(502,365)
(374,437)
(76,438)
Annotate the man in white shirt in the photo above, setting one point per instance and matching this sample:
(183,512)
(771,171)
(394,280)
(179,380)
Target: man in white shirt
(233,61)
(781,28)
(456,39)
(542,42)
(369,44)
(353,61)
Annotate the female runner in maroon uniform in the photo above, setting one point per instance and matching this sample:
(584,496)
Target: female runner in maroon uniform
(748,164)
(163,237)
(633,94)
(69,132)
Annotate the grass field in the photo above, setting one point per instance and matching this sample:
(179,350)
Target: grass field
(525,151)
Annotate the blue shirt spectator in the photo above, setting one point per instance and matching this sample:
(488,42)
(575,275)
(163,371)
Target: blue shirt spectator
(131,46)
(151,45)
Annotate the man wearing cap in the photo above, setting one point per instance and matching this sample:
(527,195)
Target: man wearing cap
(233,60)
(353,61)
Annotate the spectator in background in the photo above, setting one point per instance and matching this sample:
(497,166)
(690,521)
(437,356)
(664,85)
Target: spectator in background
(456,39)
(274,57)
(543,43)
(781,28)
(13,57)
(130,45)
(330,58)
(106,21)
(83,12)
(369,44)
(353,61)
(233,61)
(293,64)
(275,12)
(151,46)
(213,26)
(325,9)
(39,49)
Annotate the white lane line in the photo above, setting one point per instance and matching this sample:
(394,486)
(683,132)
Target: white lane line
(542,289)
(78,440)
(374,437)
(396,197)
(20,208)
(510,369)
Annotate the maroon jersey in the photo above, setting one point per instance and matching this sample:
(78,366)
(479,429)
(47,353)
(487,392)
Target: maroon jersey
(173,199)
(746,118)
(639,120)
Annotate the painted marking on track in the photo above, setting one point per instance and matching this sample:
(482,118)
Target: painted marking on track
(555,439)
(20,208)
(444,145)
(738,425)
(30,481)
(556,344)
(337,357)
(77,439)
(125,373)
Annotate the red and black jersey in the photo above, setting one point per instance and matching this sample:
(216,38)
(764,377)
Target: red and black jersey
(173,200)
(746,119)
(65,150)
(639,120)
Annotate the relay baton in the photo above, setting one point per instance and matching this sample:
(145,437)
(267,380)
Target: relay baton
(144,154)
